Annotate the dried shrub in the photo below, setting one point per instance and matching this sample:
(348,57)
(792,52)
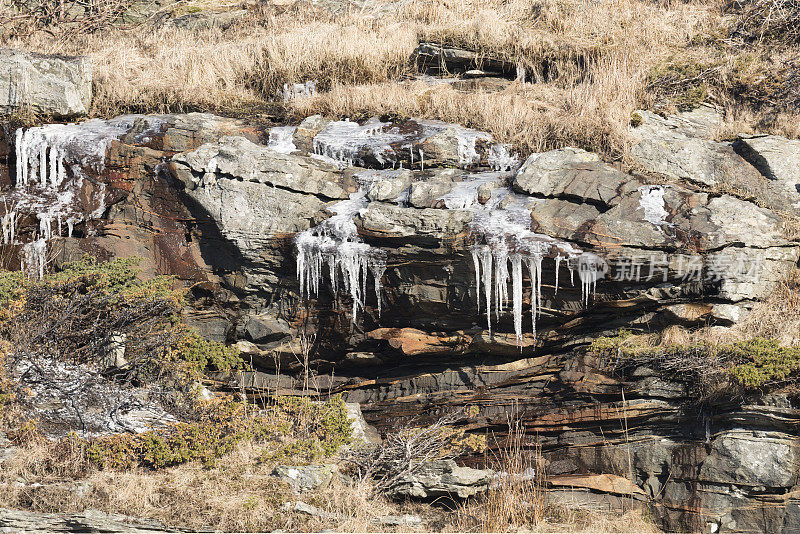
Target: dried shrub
(408,450)
(772,21)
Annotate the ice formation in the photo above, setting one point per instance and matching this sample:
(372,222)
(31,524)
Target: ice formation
(464,194)
(50,165)
(347,142)
(504,246)
(502,233)
(501,158)
(652,203)
(335,242)
(34,257)
(44,152)
(9,226)
(298,90)
(281,139)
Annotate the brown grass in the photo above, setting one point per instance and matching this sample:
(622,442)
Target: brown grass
(589,62)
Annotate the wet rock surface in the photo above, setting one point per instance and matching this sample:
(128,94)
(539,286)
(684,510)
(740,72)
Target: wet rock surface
(223,205)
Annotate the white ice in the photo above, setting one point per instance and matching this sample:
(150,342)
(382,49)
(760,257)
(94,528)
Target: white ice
(292,91)
(34,258)
(652,203)
(43,152)
(503,236)
(347,142)
(281,139)
(335,242)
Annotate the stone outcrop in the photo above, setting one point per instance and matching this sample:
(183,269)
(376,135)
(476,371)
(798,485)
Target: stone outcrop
(59,86)
(306,477)
(240,216)
(443,478)
(684,147)
(88,521)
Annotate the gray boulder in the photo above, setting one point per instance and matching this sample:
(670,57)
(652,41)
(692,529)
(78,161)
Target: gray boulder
(60,86)
(777,159)
(443,478)
(572,173)
(306,477)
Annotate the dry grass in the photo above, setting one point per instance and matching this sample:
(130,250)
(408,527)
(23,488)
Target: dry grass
(519,502)
(589,62)
(238,495)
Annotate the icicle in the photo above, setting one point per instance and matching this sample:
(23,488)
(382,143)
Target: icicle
(378,268)
(43,165)
(486,264)
(534,299)
(20,154)
(335,241)
(9,227)
(558,266)
(476,263)
(500,280)
(421,160)
(34,257)
(516,293)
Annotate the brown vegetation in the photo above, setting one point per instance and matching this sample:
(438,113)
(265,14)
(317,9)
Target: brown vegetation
(589,64)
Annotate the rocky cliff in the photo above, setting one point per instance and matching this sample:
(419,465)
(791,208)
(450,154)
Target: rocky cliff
(421,266)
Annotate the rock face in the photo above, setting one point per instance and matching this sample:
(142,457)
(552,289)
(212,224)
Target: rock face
(60,86)
(422,267)
(306,477)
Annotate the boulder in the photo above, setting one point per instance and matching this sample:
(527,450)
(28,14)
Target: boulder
(572,173)
(407,520)
(361,430)
(60,86)
(306,477)
(266,327)
(443,478)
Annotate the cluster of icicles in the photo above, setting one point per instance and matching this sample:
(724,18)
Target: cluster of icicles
(501,227)
(335,242)
(492,269)
(43,156)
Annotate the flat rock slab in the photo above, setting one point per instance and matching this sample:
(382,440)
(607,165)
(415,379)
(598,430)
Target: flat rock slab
(60,86)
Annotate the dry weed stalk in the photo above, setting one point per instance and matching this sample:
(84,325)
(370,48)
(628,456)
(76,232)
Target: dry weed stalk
(402,454)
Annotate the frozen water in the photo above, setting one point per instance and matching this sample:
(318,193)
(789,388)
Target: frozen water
(501,230)
(501,158)
(464,194)
(281,139)
(299,90)
(9,226)
(34,258)
(348,142)
(44,152)
(335,242)
(652,203)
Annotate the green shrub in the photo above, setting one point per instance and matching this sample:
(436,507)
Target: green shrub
(221,424)
(202,356)
(751,364)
